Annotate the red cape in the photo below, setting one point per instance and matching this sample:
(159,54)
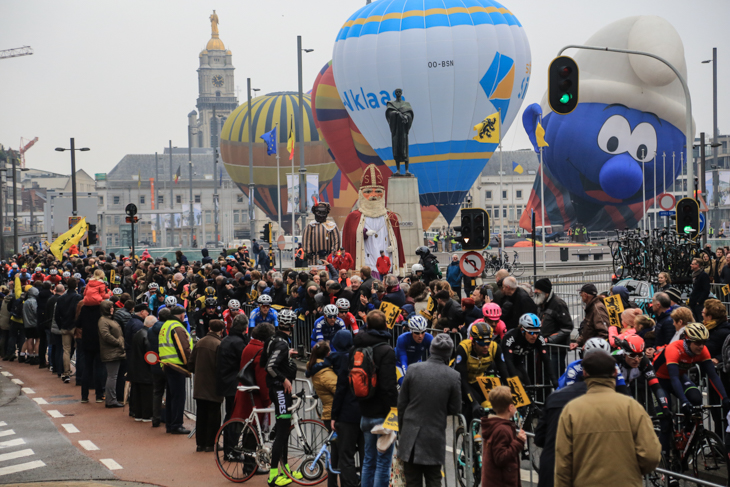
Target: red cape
(349,237)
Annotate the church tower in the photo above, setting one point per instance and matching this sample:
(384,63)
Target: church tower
(216,88)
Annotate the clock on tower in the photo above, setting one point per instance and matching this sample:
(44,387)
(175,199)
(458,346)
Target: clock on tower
(217,80)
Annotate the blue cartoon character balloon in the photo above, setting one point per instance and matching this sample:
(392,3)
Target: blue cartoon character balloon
(627,129)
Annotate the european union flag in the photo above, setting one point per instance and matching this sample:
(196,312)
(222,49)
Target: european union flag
(270,139)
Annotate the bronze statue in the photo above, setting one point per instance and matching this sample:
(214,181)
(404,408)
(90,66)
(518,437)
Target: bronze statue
(214,23)
(400,118)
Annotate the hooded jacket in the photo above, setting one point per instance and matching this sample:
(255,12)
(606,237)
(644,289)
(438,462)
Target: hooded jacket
(324,381)
(501,453)
(5,312)
(595,323)
(30,309)
(386,391)
(557,324)
(206,258)
(111,339)
(454,274)
(229,362)
(345,406)
(242,406)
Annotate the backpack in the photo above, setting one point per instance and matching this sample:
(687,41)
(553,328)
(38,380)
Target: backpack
(17,309)
(363,374)
(247,375)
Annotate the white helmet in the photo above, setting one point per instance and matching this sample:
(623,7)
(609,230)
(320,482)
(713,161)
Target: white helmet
(594,344)
(416,268)
(38,269)
(330,311)
(418,324)
(117,291)
(66,274)
(170,301)
(77,276)
(153,286)
(342,303)
(265,299)
(54,272)
(234,304)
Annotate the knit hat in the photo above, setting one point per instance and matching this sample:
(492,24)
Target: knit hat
(442,346)
(141,307)
(589,289)
(674,294)
(544,285)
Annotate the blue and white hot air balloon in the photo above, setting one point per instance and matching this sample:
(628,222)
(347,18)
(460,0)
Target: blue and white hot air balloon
(457,62)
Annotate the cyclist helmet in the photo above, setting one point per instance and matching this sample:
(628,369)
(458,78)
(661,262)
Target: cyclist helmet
(230,257)
(233,304)
(264,300)
(594,344)
(38,269)
(480,332)
(117,291)
(530,321)
(153,286)
(210,291)
(54,272)
(418,324)
(77,276)
(696,332)
(631,344)
(330,311)
(492,311)
(416,268)
(170,301)
(287,319)
(66,275)
(211,303)
(342,304)
(423,250)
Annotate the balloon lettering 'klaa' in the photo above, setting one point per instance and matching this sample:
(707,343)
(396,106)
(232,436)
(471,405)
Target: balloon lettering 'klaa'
(457,61)
(626,137)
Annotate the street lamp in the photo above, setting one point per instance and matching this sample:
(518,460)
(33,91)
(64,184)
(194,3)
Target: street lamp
(715,182)
(73,150)
(251,208)
(300,136)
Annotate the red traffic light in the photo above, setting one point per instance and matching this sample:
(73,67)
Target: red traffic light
(565,71)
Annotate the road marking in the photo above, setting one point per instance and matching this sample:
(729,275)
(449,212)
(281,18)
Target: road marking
(9,443)
(70,428)
(449,449)
(16,454)
(6,374)
(88,445)
(21,467)
(110,464)
(17,381)
(7,433)
(54,413)
(40,400)
(3,423)
(27,390)
(525,475)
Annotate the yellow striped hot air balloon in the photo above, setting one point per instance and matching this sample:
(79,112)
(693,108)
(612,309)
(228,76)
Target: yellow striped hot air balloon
(273,109)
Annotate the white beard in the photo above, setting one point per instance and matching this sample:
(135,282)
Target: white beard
(539,298)
(372,209)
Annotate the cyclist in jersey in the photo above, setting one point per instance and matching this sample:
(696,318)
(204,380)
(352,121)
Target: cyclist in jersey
(171,301)
(634,364)
(478,356)
(326,326)
(671,365)
(412,346)
(204,316)
(343,313)
(234,309)
(522,341)
(574,372)
(264,313)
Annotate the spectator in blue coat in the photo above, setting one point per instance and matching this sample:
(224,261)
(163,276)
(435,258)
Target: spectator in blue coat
(454,275)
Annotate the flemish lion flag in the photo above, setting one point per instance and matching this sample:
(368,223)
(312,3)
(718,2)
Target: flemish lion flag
(177,174)
(290,142)
(488,129)
(72,237)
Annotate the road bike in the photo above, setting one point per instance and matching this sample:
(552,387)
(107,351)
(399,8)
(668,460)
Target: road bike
(466,462)
(531,415)
(242,448)
(493,263)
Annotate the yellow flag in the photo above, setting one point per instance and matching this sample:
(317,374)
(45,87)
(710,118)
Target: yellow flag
(290,142)
(540,136)
(139,179)
(17,288)
(72,237)
(488,129)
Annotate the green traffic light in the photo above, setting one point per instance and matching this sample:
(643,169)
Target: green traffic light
(565,98)
(688,229)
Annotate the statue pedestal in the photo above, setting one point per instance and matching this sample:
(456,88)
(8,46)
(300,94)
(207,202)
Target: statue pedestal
(403,200)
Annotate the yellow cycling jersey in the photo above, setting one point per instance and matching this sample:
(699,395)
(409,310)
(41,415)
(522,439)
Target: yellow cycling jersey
(476,366)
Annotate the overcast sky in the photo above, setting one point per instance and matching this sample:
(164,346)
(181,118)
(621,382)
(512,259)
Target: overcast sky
(121,77)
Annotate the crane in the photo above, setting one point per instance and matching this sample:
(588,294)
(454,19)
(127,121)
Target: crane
(24,147)
(18,51)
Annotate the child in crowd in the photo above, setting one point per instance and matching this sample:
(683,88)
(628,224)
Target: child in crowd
(502,448)
(96,290)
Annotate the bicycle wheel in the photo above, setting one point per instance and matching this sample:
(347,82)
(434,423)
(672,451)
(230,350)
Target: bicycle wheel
(301,453)
(709,459)
(535,451)
(517,269)
(237,447)
(490,269)
(460,461)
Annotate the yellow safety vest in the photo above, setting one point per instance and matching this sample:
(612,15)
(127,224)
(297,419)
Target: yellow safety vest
(477,366)
(167,351)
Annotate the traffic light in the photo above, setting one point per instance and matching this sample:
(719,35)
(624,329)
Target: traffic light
(563,85)
(474,229)
(91,236)
(688,217)
(266,233)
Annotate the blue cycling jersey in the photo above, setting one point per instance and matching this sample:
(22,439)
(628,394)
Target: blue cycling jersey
(408,352)
(185,316)
(256,317)
(323,331)
(574,373)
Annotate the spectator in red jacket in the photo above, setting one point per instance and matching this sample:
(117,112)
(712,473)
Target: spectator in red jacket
(383,264)
(501,455)
(242,406)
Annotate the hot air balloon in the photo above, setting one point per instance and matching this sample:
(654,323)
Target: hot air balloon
(273,109)
(457,62)
(348,147)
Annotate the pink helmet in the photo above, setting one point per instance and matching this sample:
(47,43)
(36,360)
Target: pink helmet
(492,311)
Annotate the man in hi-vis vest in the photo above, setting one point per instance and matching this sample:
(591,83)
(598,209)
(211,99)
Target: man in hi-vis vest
(175,346)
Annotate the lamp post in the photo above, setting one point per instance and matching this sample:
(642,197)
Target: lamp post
(14,158)
(214,143)
(3,170)
(715,143)
(73,150)
(300,137)
(191,122)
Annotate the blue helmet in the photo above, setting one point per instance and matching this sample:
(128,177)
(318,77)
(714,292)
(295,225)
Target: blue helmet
(530,321)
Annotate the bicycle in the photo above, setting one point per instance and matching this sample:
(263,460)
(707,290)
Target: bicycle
(532,416)
(463,460)
(241,447)
(310,465)
(696,450)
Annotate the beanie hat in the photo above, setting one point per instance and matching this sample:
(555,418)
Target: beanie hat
(639,82)
(674,294)
(442,346)
(141,307)
(589,289)
(544,285)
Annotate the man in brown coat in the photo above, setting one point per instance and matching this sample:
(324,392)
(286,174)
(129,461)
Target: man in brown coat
(600,425)
(203,366)
(595,323)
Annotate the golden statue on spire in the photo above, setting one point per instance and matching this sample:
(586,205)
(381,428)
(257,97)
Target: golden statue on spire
(214,24)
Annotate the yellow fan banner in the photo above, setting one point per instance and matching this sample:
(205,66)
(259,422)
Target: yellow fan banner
(72,237)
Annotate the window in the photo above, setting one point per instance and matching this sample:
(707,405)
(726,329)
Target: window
(511,213)
(109,221)
(160,199)
(518,194)
(178,199)
(504,212)
(235,217)
(207,217)
(141,199)
(488,195)
(239,198)
(116,200)
(504,195)
(197,198)
(101,200)
(489,212)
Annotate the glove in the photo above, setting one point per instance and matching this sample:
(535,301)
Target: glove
(477,411)
(686,409)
